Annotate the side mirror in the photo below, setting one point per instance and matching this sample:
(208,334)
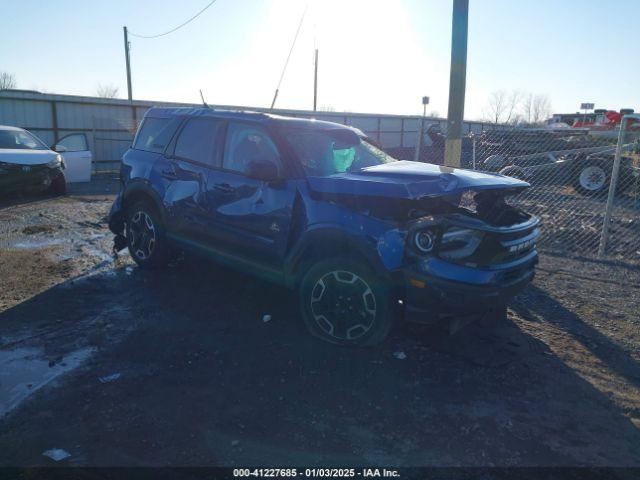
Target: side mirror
(262,170)
(59,148)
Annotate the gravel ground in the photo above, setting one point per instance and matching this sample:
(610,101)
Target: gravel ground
(119,366)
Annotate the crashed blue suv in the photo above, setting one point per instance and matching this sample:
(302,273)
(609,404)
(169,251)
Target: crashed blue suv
(362,238)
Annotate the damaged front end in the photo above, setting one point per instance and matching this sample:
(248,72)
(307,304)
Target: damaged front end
(468,257)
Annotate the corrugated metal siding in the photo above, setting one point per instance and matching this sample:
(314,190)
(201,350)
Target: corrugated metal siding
(24,112)
(73,115)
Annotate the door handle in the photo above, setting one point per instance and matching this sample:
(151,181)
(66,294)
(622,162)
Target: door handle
(224,188)
(169,173)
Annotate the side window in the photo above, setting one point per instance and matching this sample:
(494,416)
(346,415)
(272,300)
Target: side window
(246,143)
(197,140)
(155,133)
(76,142)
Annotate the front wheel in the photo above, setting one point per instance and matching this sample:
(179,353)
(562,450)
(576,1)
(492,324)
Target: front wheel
(345,303)
(146,237)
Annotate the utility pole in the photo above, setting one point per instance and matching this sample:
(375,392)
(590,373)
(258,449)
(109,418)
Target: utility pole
(425,102)
(315,81)
(126,56)
(457,82)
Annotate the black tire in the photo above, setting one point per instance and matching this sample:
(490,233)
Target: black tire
(592,178)
(335,288)
(146,238)
(58,184)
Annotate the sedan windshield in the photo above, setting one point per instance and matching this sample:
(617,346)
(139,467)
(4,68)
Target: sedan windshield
(326,152)
(19,139)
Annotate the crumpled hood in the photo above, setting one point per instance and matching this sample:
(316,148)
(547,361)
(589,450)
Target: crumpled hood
(19,156)
(412,180)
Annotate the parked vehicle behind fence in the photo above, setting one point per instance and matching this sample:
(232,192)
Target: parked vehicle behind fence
(581,161)
(362,238)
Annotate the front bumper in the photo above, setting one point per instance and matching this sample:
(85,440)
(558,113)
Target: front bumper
(15,177)
(436,289)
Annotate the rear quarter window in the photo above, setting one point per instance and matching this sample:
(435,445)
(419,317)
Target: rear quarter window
(155,134)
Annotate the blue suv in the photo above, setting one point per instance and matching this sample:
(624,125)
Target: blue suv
(363,238)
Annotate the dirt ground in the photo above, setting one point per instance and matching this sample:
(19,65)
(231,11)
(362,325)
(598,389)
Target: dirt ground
(123,367)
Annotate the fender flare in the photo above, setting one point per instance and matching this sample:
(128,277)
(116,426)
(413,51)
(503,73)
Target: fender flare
(133,190)
(138,189)
(326,240)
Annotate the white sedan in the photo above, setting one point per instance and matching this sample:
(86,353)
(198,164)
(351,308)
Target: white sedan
(28,164)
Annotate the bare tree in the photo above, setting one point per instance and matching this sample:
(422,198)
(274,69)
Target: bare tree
(513,102)
(503,106)
(535,109)
(7,81)
(516,106)
(541,109)
(494,111)
(107,91)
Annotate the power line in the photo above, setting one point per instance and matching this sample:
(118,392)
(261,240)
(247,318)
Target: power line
(275,96)
(176,28)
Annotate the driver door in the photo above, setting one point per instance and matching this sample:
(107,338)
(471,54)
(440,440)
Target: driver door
(74,148)
(252,217)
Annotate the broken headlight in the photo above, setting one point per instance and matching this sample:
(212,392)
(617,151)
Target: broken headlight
(424,240)
(457,243)
(56,162)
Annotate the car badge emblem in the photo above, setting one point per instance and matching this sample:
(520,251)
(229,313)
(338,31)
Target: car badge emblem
(26,168)
(274,227)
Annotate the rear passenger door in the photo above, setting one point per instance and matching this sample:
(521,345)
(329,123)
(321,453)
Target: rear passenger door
(193,153)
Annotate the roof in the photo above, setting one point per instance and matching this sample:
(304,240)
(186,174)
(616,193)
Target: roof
(9,127)
(260,117)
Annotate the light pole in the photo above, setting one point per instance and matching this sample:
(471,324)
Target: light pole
(457,82)
(126,57)
(315,80)
(425,102)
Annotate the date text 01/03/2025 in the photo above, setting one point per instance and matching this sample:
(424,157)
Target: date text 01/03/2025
(315,472)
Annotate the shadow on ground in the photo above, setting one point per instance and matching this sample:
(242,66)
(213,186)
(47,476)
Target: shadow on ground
(204,381)
(536,304)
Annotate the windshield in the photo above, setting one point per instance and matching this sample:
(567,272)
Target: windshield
(326,152)
(19,139)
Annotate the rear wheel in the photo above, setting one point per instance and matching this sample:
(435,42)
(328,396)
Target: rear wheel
(345,303)
(146,236)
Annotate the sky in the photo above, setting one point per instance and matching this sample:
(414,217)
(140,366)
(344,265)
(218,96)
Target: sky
(374,55)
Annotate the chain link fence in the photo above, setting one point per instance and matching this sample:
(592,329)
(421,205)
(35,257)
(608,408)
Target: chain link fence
(571,172)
